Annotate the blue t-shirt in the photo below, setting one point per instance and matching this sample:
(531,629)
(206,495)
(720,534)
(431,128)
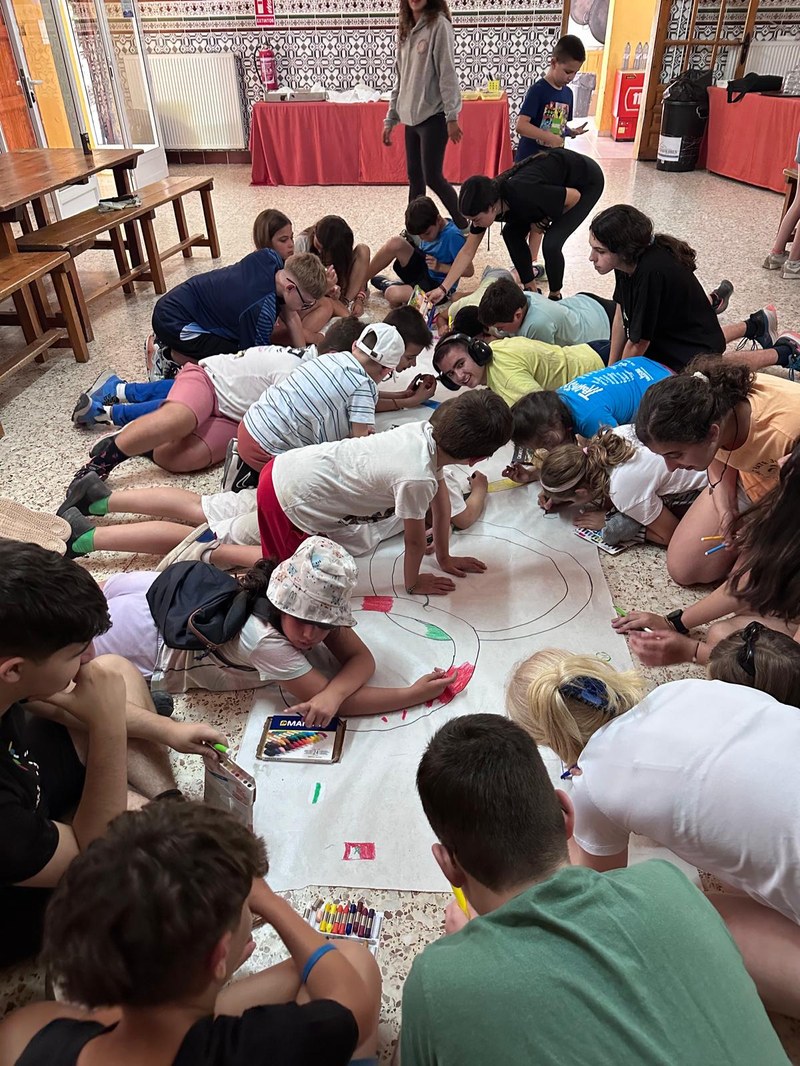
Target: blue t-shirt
(549,109)
(445,248)
(611,396)
(236,301)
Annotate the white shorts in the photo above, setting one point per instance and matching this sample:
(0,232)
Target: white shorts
(233,516)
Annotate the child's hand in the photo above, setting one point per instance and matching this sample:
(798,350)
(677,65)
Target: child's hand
(545,502)
(635,621)
(455,919)
(431,262)
(436,295)
(318,711)
(431,685)
(433,585)
(521,473)
(97,696)
(422,388)
(479,481)
(576,131)
(663,649)
(193,738)
(461,565)
(590,520)
(387,135)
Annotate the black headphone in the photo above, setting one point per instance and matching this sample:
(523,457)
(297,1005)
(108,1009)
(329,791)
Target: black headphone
(478,351)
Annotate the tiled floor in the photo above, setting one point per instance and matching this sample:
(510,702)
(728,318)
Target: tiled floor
(730,225)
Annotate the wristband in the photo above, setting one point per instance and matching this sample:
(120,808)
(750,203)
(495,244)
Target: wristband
(675,619)
(313,959)
(696,650)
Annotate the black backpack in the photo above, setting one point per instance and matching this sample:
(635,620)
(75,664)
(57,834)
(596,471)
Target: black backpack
(753,83)
(196,606)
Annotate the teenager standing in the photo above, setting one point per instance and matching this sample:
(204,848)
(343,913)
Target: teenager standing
(426,98)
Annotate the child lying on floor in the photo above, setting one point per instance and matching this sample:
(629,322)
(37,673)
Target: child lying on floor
(294,605)
(622,488)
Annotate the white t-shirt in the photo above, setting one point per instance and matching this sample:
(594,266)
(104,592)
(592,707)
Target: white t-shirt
(261,652)
(239,379)
(638,487)
(709,770)
(319,402)
(332,488)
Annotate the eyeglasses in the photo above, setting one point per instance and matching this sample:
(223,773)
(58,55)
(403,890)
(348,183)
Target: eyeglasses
(306,304)
(745,656)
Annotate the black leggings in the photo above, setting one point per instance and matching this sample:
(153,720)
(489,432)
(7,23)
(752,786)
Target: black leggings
(425,145)
(565,226)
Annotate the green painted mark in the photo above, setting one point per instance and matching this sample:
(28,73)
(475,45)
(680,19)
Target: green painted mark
(317,792)
(434,633)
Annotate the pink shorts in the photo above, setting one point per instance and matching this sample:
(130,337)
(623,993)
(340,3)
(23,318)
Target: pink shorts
(279,538)
(195,390)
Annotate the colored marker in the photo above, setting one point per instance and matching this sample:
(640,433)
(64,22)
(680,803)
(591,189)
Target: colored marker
(371,923)
(351,914)
(339,927)
(327,921)
(716,548)
(717,536)
(620,612)
(461,899)
(362,926)
(221,747)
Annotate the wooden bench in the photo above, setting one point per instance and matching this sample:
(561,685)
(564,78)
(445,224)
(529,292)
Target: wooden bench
(790,174)
(81,232)
(18,273)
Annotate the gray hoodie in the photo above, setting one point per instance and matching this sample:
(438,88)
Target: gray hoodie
(425,80)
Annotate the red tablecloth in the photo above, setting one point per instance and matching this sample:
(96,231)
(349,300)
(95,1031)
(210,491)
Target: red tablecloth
(754,140)
(340,144)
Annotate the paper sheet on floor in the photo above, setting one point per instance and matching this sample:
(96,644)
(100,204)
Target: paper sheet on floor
(359,823)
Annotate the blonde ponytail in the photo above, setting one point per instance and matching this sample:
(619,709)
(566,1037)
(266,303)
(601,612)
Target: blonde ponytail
(561,699)
(570,467)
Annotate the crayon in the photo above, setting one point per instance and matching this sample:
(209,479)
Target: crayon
(318,910)
(716,548)
(327,921)
(350,916)
(371,924)
(362,925)
(339,926)
(461,899)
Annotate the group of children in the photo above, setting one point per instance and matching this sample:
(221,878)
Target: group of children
(628,410)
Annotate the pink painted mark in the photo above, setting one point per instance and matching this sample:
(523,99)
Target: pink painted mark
(362,850)
(463,675)
(384,718)
(403,716)
(377,603)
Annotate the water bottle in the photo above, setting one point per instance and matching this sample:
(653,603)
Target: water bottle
(645,53)
(626,56)
(637,58)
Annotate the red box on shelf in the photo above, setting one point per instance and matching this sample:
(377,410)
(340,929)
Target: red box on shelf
(628,87)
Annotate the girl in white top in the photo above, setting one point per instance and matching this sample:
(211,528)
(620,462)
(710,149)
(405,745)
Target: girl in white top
(705,768)
(296,605)
(623,488)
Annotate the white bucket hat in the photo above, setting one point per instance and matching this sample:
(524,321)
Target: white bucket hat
(316,584)
(389,346)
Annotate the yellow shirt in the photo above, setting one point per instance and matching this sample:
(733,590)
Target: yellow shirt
(774,430)
(520,365)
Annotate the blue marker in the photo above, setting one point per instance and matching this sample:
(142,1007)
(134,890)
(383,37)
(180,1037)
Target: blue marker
(716,548)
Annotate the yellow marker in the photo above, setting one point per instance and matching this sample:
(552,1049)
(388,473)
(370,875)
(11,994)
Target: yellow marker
(504,483)
(327,921)
(461,899)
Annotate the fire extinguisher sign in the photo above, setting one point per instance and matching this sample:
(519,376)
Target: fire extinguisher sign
(265,12)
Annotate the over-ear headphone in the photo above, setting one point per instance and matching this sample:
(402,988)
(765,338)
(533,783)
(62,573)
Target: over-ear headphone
(478,351)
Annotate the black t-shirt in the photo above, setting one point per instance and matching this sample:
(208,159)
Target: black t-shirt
(663,302)
(28,837)
(538,189)
(322,1033)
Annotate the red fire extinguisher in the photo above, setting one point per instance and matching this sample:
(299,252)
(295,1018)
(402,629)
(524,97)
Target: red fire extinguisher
(267,68)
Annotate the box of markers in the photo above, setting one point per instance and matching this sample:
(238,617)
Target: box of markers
(595,537)
(333,918)
(287,738)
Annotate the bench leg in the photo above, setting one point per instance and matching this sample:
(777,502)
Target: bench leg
(122,181)
(29,320)
(79,299)
(180,222)
(211,225)
(77,341)
(788,196)
(118,248)
(153,257)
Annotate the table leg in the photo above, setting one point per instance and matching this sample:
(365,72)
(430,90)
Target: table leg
(29,321)
(8,242)
(77,341)
(122,181)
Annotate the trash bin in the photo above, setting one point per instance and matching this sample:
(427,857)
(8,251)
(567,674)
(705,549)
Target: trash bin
(684,114)
(583,85)
(683,124)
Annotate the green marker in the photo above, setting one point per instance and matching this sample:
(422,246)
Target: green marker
(620,612)
(220,747)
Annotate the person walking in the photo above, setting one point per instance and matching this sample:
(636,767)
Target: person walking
(426,98)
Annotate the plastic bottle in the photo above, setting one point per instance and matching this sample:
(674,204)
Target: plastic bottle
(637,57)
(645,53)
(626,56)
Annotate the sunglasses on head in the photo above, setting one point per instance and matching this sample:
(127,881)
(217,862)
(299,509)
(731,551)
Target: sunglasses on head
(478,351)
(745,656)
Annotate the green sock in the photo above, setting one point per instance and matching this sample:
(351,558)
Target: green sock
(84,544)
(99,507)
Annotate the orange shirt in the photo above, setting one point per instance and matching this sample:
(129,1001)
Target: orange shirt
(774,431)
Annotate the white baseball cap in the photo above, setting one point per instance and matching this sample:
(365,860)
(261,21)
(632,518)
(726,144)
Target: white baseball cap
(389,346)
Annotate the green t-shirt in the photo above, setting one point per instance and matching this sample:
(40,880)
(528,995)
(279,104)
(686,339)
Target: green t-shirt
(629,968)
(520,365)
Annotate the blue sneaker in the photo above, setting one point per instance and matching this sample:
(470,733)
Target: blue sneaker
(106,391)
(90,412)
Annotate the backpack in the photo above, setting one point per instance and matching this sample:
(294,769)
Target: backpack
(196,606)
(753,83)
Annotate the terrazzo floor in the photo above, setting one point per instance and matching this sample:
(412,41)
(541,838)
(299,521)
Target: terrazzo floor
(730,225)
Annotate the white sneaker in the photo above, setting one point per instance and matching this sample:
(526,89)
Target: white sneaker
(791,270)
(775,262)
(192,548)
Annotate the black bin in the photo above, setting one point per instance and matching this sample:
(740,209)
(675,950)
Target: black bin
(683,124)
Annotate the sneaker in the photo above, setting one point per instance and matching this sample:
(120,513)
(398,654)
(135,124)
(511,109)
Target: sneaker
(96,463)
(164,703)
(766,326)
(539,272)
(90,412)
(412,238)
(791,270)
(382,283)
(157,359)
(79,524)
(720,297)
(84,491)
(105,391)
(236,474)
(775,262)
(788,348)
(196,546)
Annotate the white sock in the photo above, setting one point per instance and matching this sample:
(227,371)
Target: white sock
(120,393)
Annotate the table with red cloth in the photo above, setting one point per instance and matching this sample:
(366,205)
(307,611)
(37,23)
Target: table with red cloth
(754,139)
(324,143)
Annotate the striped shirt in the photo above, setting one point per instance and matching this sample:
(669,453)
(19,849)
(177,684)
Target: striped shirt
(318,402)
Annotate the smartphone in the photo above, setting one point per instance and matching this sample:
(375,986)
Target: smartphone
(522,455)
(230,788)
